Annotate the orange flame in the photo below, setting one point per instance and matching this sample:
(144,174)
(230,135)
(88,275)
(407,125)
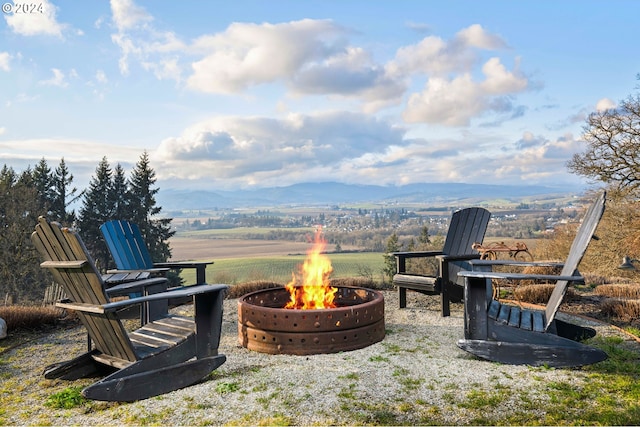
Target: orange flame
(310,289)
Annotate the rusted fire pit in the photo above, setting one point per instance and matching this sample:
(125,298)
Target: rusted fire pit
(265,326)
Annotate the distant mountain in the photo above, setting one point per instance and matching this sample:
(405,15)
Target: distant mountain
(329,193)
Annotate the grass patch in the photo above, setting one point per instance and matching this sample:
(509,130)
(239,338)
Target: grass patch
(279,268)
(227,387)
(68,398)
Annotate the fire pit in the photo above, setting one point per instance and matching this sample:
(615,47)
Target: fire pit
(356,321)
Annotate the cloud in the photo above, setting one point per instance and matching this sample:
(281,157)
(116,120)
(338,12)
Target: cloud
(33,24)
(138,39)
(434,56)
(126,15)
(311,57)
(451,96)
(605,104)
(455,102)
(3,130)
(232,152)
(5,59)
(58,79)
(101,77)
(250,54)
(248,149)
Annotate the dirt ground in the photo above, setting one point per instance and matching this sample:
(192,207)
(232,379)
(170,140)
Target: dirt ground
(202,249)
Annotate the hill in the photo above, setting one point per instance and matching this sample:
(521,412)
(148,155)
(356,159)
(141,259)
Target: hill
(329,193)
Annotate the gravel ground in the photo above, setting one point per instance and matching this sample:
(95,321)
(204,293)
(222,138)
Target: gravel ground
(416,375)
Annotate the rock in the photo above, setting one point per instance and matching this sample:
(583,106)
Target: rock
(3,328)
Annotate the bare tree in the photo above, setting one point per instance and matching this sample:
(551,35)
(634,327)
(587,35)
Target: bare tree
(613,147)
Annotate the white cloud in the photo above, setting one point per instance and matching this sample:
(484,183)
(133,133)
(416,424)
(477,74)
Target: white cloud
(232,152)
(32,24)
(126,15)
(101,77)
(437,57)
(246,149)
(251,54)
(58,79)
(138,40)
(5,60)
(457,101)
(605,104)
(3,130)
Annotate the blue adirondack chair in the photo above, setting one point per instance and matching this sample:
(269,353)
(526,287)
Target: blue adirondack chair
(130,252)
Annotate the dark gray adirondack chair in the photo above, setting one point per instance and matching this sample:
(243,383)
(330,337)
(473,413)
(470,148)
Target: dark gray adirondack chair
(163,355)
(509,334)
(467,227)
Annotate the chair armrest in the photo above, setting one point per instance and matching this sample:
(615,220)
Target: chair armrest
(514,263)
(200,266)
(182,264)
(416,254)
(518,276)
(467,257)
(401,257)
(185,291)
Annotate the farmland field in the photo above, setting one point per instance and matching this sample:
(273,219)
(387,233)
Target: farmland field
(237,260)
(188,248)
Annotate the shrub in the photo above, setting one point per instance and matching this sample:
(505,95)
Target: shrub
(539,294)
(625,310)
(30,317)
(631,291)
(236,291)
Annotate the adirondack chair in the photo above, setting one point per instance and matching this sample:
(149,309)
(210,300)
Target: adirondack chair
(510,334)
(129,251)
(467,227)
(163,355)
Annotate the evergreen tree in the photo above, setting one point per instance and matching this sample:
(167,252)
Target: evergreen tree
(97,207)
(20,274)
(118,194)
(63,195)
(424,236)
(43,182)
(141,204)
(393,245)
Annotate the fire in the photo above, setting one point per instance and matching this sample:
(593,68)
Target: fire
(310,288)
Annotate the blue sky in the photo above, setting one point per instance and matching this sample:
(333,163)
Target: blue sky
(246,94)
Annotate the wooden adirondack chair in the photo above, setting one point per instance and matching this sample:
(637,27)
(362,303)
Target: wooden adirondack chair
(164,355)
(129,251)
(467,227)
(510,334)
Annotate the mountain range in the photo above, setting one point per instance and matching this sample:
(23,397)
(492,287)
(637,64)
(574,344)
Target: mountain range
(331,193)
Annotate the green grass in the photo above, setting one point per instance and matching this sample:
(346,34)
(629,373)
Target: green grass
(279,268)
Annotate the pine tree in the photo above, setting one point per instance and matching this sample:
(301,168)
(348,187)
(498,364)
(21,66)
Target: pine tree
(63,195)
(20,274)
(144,212)
(118,194)
(97,207)
(393,245)
(43,182)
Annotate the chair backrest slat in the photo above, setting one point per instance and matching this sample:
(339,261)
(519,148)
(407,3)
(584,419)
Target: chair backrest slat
(82,284)
(127,247)
(467,226)
(578,248)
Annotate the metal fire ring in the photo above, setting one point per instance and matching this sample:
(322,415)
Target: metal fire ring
(265,326)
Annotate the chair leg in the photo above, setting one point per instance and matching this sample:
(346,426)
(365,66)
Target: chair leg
(402,296)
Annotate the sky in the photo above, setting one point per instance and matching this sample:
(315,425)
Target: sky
(251,94)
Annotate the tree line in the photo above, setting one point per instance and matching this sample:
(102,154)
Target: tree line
(43,191)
